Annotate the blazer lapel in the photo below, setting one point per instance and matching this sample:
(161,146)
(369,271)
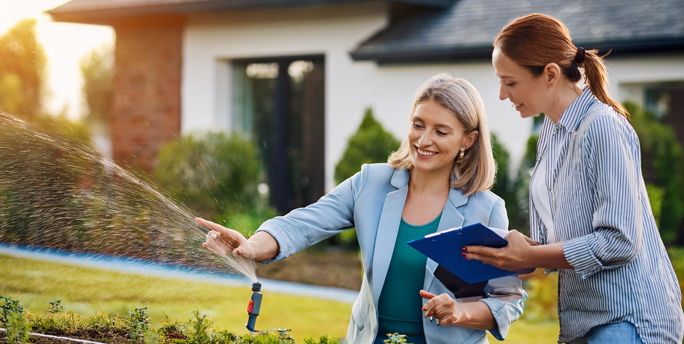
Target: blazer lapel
(451,218)
(388,228)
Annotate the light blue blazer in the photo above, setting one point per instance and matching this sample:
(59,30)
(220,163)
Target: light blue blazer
(373,202)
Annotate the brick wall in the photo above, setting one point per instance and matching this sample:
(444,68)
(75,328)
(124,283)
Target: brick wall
(145,89)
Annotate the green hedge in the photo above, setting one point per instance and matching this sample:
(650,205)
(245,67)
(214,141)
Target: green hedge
(214,174)
(662,164)
(370,144)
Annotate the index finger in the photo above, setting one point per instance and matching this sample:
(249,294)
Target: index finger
(436,300)
(426,294)
(233,237)
(481,250)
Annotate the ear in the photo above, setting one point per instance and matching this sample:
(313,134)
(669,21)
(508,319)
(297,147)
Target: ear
(552,73)
(471,138)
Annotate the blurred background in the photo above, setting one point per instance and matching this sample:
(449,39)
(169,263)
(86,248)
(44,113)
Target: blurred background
(243,110)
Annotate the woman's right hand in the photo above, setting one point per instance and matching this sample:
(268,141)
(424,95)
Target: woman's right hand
(222,240)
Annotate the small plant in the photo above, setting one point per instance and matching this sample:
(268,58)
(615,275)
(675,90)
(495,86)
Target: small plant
(201,327)
(14,320)
(284,335)
(324,339)
(138,324)
(55,307)
(396,338)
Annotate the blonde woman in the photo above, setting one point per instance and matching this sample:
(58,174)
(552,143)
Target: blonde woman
(438,179)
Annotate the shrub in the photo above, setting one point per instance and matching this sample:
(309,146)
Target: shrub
(138,324)
(14,319)
(542,301)
(516,193)
(213,174)
(677,258)
(248,222)
(504,186)
(662,164)
(370,144)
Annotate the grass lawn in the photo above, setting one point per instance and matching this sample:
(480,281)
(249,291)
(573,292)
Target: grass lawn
(86,291)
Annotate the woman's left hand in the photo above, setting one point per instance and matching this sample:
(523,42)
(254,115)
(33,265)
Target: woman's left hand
(514,256)
(442,307)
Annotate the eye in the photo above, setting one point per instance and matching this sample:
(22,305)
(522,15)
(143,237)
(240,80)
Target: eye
(441,133)
(510,84)
(416,125)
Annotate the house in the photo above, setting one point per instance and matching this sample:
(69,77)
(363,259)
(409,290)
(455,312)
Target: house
(296,75)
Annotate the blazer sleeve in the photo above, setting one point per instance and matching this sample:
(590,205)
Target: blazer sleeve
(610,156)
(330,215)
(505,295)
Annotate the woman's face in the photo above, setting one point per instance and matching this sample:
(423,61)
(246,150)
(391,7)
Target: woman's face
(435,137)
(528,93)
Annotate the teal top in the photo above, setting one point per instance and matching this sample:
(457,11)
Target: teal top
(399,307)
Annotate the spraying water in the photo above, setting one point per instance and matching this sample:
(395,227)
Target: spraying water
(58,192)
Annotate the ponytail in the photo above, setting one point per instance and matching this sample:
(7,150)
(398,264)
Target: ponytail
(597,78)
(535,40)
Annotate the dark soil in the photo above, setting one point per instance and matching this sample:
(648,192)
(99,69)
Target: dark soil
(104,335)
(330,269)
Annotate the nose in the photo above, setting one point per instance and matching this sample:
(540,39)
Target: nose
(425,139)
(503,93)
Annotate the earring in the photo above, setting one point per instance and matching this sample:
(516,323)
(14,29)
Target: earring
(462,152)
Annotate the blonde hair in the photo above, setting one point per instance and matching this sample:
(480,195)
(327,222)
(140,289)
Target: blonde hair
(476,171)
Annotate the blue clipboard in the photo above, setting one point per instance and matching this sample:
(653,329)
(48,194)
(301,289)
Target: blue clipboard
(445,249)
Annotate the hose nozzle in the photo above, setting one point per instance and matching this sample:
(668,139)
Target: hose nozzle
(254,306)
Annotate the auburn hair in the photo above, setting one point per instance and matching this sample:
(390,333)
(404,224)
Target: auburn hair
(535,40)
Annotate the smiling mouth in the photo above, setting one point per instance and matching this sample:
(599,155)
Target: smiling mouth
(426,153)
(517,105)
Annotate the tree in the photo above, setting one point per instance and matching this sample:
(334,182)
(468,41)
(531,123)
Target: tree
(370,144)
(97,69)
(663,171)
(22,70)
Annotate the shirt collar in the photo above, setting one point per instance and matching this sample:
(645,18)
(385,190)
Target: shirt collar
(573,115)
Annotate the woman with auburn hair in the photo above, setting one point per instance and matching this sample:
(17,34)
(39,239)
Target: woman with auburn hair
(589,208)
(438,179)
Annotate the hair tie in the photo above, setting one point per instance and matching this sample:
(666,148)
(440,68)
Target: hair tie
(579,57)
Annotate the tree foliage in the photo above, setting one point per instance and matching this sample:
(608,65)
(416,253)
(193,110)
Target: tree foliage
(22,70)
(662,165)
(514,190)
(213,174)
(370,144)
(97,70)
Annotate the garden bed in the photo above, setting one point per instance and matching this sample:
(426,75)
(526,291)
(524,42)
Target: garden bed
(101,335)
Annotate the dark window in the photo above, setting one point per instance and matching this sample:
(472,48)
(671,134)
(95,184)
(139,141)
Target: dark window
(279,104)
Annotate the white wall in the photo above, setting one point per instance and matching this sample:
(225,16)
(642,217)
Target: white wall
(211,41)
(630,75)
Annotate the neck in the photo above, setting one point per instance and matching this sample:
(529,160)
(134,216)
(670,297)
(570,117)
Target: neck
(432,182)
(564,97)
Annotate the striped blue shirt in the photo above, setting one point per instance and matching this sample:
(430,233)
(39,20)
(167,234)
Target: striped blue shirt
(601,213)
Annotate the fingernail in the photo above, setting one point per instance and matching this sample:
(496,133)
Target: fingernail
(236,252)
(438,323)
(463,255)
(431,318)
(464,249)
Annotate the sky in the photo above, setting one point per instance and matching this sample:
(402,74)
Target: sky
(64,43)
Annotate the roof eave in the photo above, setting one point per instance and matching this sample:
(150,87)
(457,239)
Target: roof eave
(105,16)
(450,54)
